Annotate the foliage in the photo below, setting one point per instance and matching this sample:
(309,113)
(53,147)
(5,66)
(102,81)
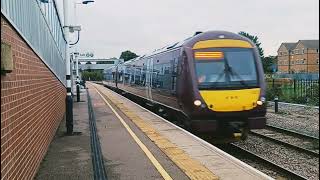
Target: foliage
(273,92)
(255,40)
(303,93)
(268,63)
(314,98)
(127,55)
(93,75)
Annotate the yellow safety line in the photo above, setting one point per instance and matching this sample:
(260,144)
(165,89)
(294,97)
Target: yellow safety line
(154,161)
(192,168)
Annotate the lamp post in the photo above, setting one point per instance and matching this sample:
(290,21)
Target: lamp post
(69,103)
(76,53)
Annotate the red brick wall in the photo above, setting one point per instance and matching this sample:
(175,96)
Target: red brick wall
(32,106)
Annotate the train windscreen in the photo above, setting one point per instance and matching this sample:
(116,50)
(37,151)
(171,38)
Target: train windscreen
(228,67)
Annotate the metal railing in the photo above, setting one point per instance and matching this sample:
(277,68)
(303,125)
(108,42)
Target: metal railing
(293,91)
(38,22)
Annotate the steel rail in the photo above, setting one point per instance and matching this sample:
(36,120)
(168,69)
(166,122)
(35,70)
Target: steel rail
(232,148)
(293,104)
(298,148)
(292,132)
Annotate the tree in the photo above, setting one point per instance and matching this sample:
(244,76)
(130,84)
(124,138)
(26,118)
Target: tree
(255,40)
(127,55)
(92,75)
(269,64)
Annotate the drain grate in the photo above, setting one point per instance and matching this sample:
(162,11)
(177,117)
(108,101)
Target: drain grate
(97,159)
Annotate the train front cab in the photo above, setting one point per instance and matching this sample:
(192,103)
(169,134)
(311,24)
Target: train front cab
(229,88)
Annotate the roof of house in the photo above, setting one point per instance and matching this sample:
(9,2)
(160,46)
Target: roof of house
(310,43)
(290,46)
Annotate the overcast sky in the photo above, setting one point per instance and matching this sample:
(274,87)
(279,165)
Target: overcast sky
(112,26)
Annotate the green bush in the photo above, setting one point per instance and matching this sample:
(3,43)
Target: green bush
(285,92)
(313,95)
(272,92)
(92,76)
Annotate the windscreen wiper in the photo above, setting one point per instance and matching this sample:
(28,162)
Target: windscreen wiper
(232,72)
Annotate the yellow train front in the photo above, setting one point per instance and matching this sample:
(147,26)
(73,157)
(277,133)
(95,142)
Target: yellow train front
(213,82)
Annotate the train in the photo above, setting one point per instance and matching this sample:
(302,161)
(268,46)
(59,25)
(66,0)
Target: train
(211,83)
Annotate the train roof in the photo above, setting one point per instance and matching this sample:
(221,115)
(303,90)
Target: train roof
(197,37)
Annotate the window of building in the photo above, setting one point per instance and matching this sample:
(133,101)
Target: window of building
(317,60)
(296,51)
(318,51)
(302,51)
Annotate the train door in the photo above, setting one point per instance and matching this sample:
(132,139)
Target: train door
(149,73)
(124,73)
(174,71)
(116,76)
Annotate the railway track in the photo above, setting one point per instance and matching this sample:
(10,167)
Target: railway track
(245,155)
(293,104)
(291,139)
(296,133)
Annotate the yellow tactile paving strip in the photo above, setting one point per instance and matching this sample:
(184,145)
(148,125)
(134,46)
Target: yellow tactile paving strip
(192,168)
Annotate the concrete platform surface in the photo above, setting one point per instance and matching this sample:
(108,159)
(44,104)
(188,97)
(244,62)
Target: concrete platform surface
(218,162)
(135,144)
(123,157)
(69,157)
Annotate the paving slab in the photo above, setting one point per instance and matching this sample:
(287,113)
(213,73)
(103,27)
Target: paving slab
(217,161)
(69,157)
(123,158)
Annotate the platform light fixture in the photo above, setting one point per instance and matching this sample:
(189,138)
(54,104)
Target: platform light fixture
(87,2)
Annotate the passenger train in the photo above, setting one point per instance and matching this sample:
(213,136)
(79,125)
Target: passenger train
(212,82)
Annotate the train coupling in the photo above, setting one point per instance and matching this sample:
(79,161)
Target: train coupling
(240,131)
(237,135)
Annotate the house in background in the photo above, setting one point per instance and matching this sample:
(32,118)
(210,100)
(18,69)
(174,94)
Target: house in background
(299,57)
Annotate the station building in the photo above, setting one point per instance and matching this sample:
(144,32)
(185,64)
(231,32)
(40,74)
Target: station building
(33,84)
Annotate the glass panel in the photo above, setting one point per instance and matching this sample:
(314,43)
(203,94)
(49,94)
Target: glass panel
(243,66)
(236,69)
(210,71)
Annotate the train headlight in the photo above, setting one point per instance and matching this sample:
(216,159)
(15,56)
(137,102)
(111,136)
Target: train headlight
(261,101)
(197,102)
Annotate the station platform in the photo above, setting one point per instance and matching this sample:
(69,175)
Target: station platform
(134,143)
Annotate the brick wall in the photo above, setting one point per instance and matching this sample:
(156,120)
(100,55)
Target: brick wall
(32,106)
